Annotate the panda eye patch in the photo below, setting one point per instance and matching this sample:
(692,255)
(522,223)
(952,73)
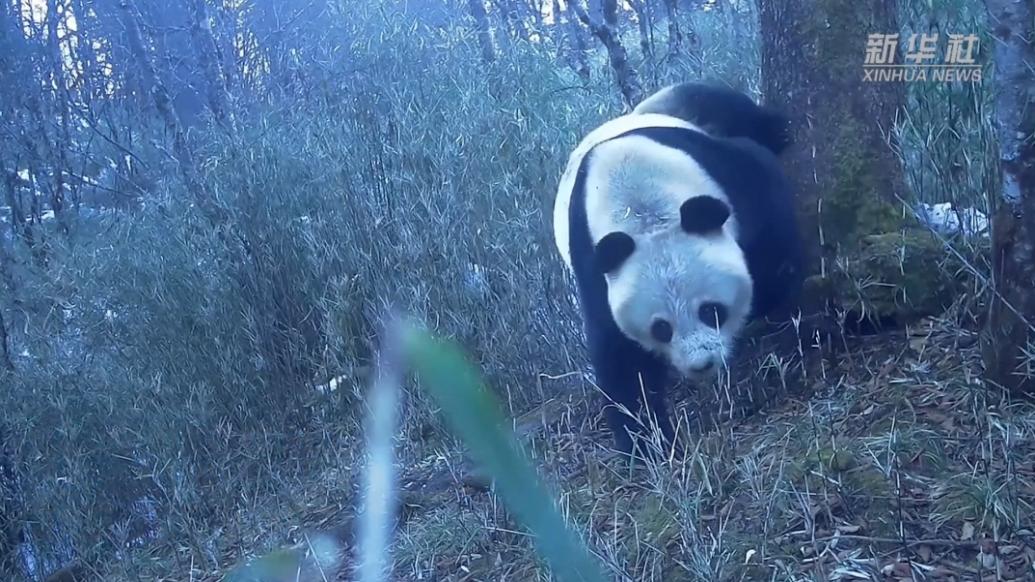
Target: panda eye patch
(661,331)
(612,251)
(712,313)
(702,215)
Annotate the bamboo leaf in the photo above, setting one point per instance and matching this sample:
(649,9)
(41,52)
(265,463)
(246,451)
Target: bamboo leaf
(475,416)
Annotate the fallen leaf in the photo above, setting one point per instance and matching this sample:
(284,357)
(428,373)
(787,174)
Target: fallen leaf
(898,570)
(987,560)
(942,573)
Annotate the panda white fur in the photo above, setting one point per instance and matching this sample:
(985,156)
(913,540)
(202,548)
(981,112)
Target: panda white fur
(677,236)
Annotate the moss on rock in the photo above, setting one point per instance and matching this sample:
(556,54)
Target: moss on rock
(900,275)
(815,291)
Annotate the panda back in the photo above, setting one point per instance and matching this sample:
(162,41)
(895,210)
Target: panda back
(616,127)
(720,112)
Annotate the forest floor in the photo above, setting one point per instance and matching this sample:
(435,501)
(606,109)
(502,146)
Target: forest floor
(899,465)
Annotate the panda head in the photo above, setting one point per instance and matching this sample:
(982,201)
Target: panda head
(665,242)
(682,296)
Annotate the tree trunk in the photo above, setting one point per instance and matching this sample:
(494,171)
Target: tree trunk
(481,23)
(163,103)
(840,164)
(62,140)
(1008,333)
(575,48)
(209,60)
(675,36)
(6,362)
(513,15)
(644,25)
(625,75)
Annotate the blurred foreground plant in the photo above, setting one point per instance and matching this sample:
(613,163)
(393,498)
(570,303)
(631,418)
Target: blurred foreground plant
(473,414)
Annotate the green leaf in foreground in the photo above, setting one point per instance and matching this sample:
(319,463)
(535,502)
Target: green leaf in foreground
(475,415)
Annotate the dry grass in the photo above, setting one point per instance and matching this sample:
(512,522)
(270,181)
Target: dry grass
(162,366)
(903,467)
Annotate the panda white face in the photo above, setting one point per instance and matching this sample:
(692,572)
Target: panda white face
(678,283)
(684,297)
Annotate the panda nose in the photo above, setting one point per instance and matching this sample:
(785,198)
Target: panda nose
(706,366)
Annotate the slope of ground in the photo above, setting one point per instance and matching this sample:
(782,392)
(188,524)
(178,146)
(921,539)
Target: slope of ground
(900,465)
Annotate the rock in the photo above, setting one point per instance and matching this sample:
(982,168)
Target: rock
(900,276)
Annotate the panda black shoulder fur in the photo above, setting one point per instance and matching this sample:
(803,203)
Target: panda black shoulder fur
(679,228)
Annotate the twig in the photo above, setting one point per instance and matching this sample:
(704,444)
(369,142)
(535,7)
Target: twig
(908,543)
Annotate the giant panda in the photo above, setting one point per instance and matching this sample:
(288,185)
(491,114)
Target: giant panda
(678,227)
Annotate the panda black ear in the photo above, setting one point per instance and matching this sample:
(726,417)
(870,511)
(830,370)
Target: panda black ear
(703,214)
(612,250)
(772,130)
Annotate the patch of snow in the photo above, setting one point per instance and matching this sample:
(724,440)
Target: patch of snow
(331,386)
(475,282)
(945,220)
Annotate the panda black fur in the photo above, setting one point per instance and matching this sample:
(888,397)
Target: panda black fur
(720,112)
(666,225)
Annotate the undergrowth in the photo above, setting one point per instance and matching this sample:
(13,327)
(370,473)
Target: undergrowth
(187,403)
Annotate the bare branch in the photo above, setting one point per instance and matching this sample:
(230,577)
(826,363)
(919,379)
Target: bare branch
(625,75)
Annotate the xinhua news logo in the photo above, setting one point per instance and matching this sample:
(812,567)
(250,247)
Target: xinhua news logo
(923,60)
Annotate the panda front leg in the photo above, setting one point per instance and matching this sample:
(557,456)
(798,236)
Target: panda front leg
(629,376)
